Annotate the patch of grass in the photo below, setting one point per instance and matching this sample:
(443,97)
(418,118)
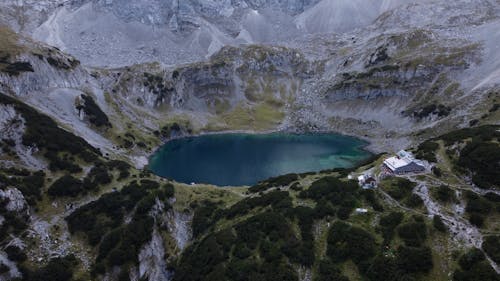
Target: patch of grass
(9,50)
(9,46)
(221,105)
(451,89)
(267,116)
(240,117)
(260,117)
(283,180)
(351,271)
(413,39)
(187,195)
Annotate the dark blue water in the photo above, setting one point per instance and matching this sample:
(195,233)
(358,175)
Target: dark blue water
(245,159)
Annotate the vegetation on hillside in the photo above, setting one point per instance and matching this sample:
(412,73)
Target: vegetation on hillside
(60,147)
(103,222)
(275,229)
(93,112)
(474,266)
(474,153)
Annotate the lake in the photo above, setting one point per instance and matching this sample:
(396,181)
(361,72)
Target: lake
(245,159)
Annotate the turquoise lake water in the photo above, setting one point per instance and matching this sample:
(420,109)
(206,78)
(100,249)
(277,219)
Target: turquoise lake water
(245,159)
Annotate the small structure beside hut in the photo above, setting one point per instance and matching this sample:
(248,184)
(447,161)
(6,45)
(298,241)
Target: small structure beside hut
(367,181)
(361,210)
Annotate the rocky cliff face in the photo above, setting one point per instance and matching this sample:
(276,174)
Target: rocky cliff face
(231,76)
(183,15)
(124,32)
(384,77)
(401,62)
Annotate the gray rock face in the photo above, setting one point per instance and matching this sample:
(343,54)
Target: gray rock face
(15,199)
(230,77)
(185,14)
(370,75)
(152,263)
(13,270)
(45,75)
(125,32)
(180,227)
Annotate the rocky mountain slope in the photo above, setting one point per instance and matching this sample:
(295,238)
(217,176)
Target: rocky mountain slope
(372,81)
(112,33)
(88,89)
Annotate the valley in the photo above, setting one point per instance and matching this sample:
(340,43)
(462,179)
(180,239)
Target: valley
(90,90)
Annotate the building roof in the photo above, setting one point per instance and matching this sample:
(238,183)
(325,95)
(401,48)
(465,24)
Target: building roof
(403,158)
(370,179)
(395,162)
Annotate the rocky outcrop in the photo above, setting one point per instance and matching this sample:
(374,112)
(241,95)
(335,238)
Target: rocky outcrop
(152,260)
(13,271)
(179,225)
(232,76)
(15,200)
(182,15)
(11,123)
(400,64)
(191,29)
(52,70)
(16,208)
(153,255)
